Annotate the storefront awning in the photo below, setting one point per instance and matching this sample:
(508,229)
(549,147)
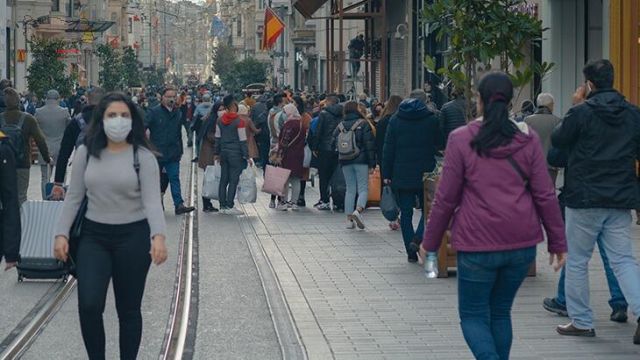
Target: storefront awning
(308,7)
(83,25)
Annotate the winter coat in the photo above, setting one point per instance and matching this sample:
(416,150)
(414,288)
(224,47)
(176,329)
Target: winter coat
(412,139)
(543,122)
(69,141)
(452,116)
(166,132)
(207,147)
(602,136)
(364,139)
(328,120)
(260,117)
(486,201)
(30,130)
(53,121)
(381,132)
(291,143)
(252,146)
(231,136)
(10,229)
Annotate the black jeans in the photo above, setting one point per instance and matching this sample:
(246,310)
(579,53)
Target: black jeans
(121,253)
(327,164)
(232,166)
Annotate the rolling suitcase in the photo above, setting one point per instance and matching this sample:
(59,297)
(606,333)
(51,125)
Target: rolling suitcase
(39,219)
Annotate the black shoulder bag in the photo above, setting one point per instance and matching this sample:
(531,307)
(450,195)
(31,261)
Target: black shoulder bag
(78,222)
(520,172)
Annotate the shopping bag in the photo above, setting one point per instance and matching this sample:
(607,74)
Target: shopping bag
(306,162)
(247,190)
(275,179)
(389,205)
(211,183)
(375,188)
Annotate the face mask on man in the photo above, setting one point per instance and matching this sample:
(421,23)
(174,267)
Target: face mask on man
(117,128)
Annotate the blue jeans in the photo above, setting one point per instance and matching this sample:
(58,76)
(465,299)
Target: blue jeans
(407,201)
(617,300)
(613,227)
(356,176)
(172,170)
(487,285)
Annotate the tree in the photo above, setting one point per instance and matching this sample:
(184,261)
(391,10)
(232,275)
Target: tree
(224,57)
(131,75)
(47,71)
(111,68)
(244,73)
(153,78)
(479,31)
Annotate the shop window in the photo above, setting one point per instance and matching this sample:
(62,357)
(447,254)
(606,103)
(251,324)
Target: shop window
(55,5)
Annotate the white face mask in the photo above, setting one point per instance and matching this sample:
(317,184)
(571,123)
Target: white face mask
(118,128)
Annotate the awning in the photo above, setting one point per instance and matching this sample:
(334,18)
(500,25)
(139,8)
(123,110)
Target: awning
(308,7)
(83,25)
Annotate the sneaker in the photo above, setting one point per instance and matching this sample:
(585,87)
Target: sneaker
(636,337)
(272,204)
(233,211)
(338,209)
(350,224)
(301,203)
(209,209)
(195,160)
(294,207)
(571,330)
(223,210)
(552,305)
(619,315)
(357,218)
(181,209)
(412,259)
(323,206)
(414,245)
(282,206)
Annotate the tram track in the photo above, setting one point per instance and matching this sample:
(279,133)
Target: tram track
(180,332)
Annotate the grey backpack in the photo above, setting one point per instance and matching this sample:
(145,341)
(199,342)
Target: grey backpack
(347,145)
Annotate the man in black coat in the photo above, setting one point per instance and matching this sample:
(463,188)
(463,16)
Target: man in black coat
(165,126)
(10,230)
(322,144)
(453,114)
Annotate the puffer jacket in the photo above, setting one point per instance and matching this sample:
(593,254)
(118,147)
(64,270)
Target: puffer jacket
(491,207)
(602,137)
(452,116)
(365,140)
(328,121)
(412,139)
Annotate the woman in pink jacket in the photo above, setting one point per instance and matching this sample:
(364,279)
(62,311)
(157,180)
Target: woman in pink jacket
(497,195)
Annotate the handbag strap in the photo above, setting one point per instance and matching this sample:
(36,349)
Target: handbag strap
(136,162)
(520,172)
(297,136)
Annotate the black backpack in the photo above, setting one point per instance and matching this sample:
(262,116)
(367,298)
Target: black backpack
(16,139)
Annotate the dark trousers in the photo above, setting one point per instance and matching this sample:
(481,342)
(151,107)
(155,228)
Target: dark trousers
(232,166)
(327,164)
(119,253)
(487,285)
(264,145)
(303,186)
(187,129)
(407,202)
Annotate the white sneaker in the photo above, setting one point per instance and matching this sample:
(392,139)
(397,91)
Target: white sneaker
(350,224)
(324,206)
(223,211)
(357,218)
(233,211)
(282,207)
(294,207)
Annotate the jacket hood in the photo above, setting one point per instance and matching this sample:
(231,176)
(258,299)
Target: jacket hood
(608,104)
(521,139)
(228,117)
(413,109)
(335,110)
(352,117)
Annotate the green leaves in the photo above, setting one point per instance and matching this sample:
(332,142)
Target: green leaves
(111,72)
(243,73)
(47,71)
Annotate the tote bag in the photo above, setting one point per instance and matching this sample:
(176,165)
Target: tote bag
(247,189)
(275,179)
(211,183)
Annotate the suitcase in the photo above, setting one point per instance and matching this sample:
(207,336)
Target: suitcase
(39,219)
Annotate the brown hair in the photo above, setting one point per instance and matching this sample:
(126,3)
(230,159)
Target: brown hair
(391,106)
(351,107)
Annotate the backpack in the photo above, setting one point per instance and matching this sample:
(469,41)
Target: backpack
(16,139)
(82,124)
(347,145)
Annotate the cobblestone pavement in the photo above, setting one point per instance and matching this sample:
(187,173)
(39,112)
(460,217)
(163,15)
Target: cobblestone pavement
(353,295)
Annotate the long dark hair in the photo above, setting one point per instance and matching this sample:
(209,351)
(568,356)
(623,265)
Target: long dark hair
(496,92)
(96,139)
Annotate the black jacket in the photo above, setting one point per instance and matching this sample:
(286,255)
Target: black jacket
(10,229)
(69,140)
(412,139)
(452,116)
(602,137)
(166,132)
(328,121)
(381,132)
(364,139)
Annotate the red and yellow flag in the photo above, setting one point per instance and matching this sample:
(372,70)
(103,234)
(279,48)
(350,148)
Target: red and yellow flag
(273,28)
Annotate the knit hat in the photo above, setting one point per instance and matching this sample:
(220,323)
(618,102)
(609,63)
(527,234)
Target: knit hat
(11,98)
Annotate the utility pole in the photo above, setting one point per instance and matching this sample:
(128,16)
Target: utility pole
(282,12)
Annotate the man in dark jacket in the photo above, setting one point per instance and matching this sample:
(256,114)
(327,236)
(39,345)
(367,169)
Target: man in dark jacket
(73,137)
(322,145)
(10,230)
(453,114)
(260,118)
(602,134)
(165,127)
(412,139)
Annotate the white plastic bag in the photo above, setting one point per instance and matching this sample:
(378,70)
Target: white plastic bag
(211,183)
(247,189)
(306,163)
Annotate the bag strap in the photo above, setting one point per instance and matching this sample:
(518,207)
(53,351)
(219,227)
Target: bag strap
(136,162)
(357,123)
(519,170)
